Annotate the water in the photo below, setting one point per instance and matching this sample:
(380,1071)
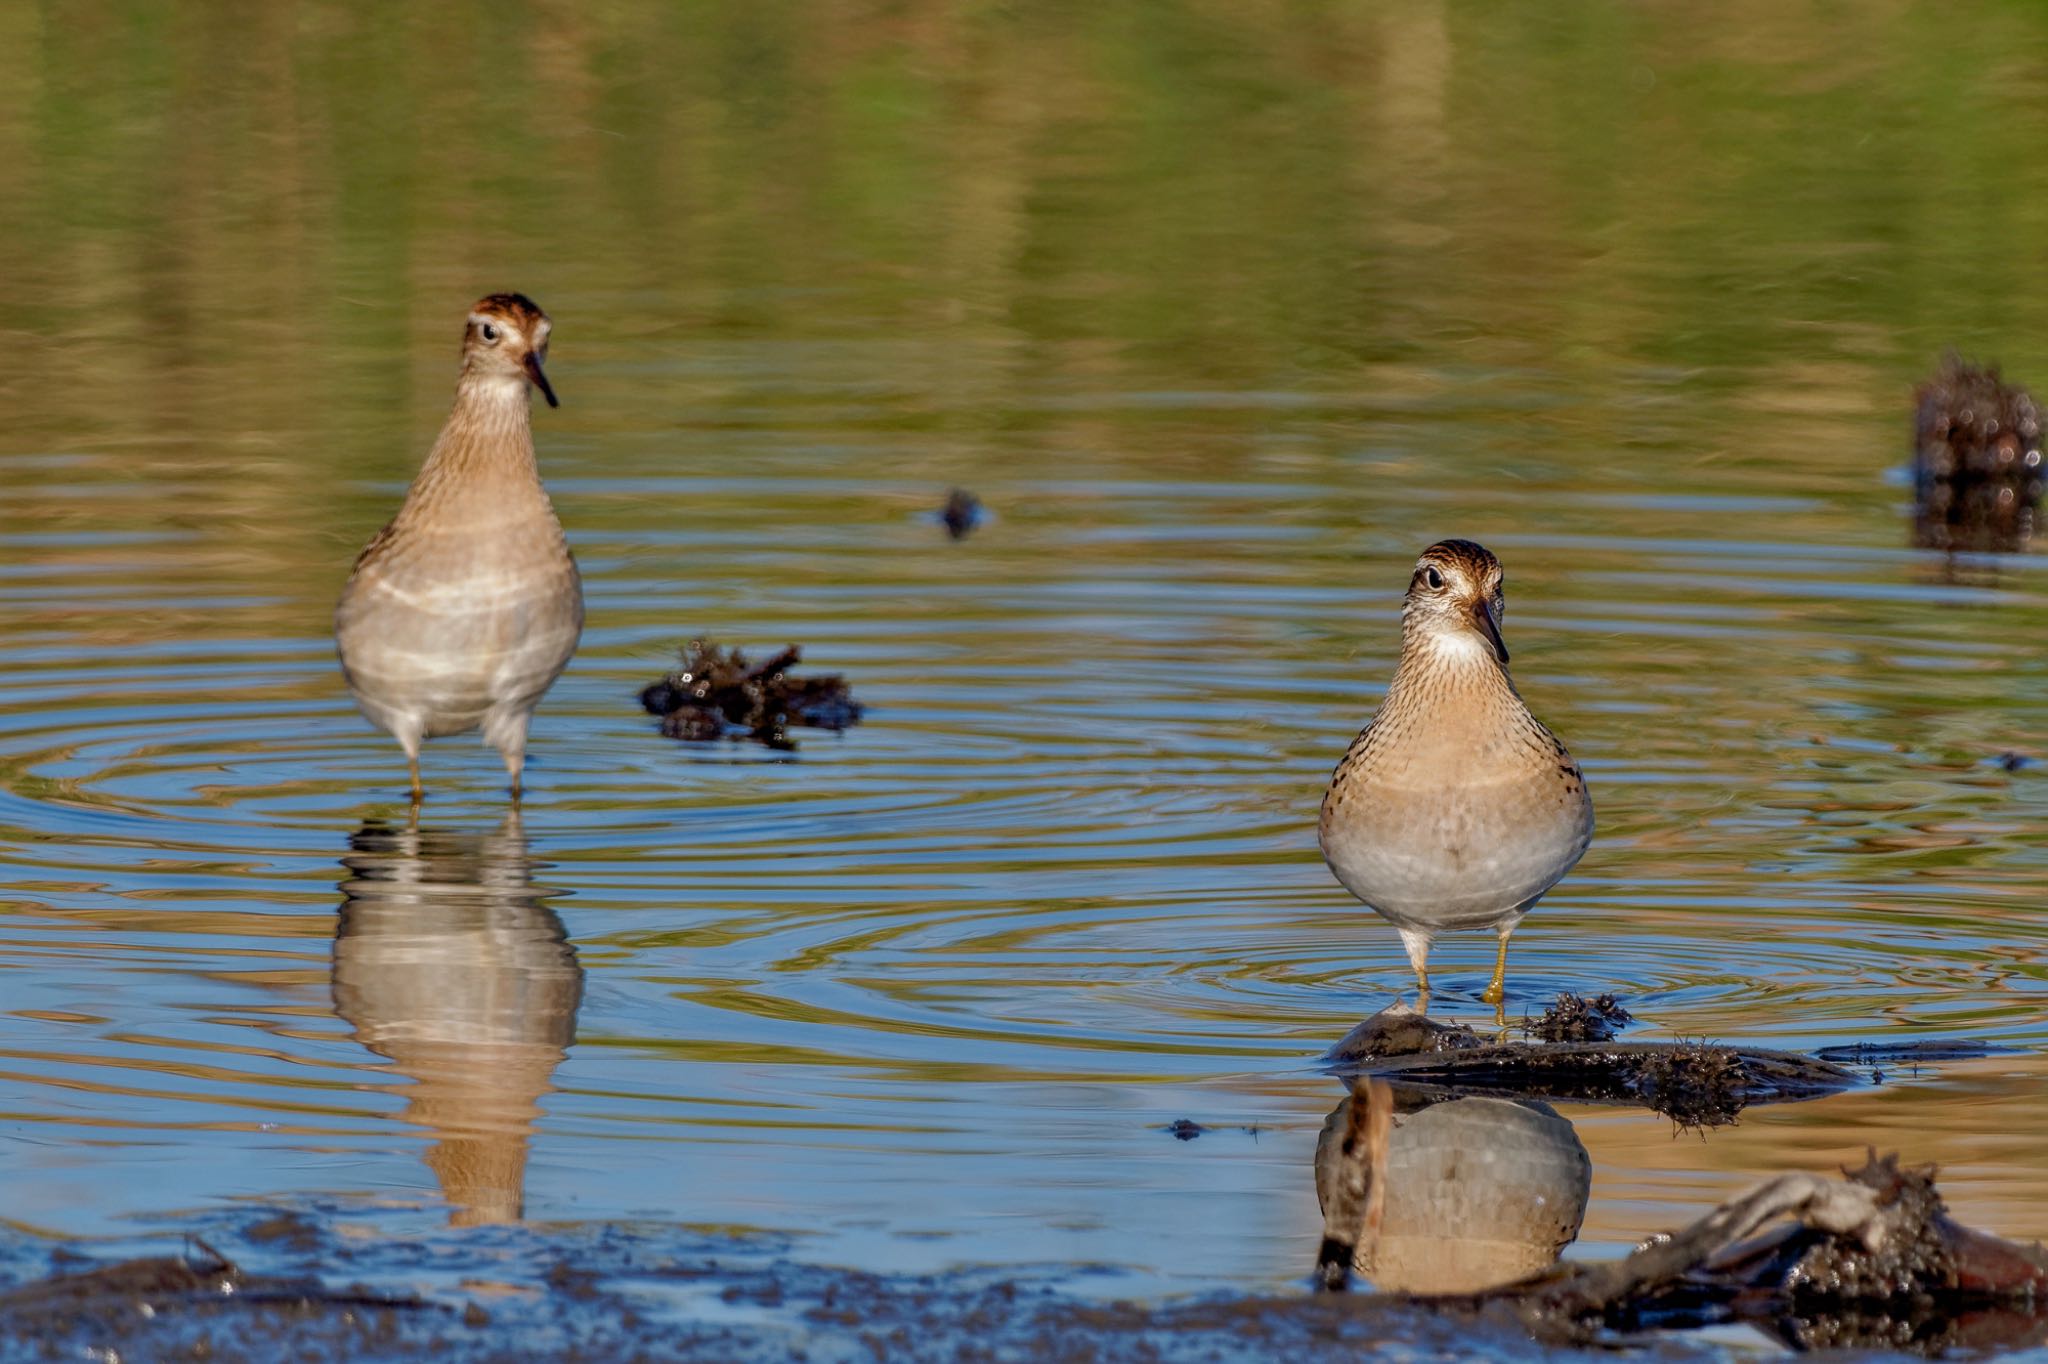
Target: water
(1224,314)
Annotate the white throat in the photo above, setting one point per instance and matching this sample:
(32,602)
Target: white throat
(1458,648)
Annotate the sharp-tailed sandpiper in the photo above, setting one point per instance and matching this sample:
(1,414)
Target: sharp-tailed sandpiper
(1454,808)
(461,613)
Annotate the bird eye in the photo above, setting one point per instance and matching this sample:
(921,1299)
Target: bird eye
(1432,577)
(490,333)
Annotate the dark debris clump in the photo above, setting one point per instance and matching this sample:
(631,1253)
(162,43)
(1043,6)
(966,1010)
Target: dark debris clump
(961,514)
(1574,1018)
(1695,1084)
(1977,461)
(717,694)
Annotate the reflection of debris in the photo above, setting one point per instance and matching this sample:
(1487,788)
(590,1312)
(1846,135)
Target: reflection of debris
(1696,1083)
(1895,1053)
(1185,1129)
(1574,1018)
(1977,465)
(961,514)
(716,695)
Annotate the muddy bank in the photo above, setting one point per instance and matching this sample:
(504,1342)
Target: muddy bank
(630,1293)
(271,1285)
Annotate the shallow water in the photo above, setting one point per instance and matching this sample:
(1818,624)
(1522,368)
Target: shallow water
(1224,314)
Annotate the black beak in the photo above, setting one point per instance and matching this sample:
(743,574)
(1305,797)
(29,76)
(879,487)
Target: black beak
(540,378)
(1483,617)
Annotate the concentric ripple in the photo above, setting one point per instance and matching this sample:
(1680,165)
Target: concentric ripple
(926,989)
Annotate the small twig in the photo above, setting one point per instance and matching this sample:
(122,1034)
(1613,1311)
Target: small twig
(788,658)
(221,1263)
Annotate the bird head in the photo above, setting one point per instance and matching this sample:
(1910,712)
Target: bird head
(507,340)
(1455,602)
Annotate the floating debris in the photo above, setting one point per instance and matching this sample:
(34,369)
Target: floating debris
(961,514)
(1185,1129)
(717,694)
(1574,1018)
(1977,464)
(2013,762)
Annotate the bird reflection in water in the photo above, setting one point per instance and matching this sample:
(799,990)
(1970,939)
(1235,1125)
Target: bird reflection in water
(1479,1192)
(449,962)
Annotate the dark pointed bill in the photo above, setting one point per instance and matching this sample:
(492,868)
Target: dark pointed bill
(540,379)
(1482,616)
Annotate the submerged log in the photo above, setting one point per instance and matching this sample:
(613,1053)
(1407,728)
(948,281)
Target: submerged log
(1696,1084)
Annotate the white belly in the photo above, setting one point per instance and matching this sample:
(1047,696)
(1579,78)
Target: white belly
(1477,858)
(443,657)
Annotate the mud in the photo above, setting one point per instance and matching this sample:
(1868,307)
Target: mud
(620,1293)
(718,694)
(1977,461)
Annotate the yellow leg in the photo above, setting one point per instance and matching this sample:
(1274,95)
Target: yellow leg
(412,762)
(1498,989)
(1422,990)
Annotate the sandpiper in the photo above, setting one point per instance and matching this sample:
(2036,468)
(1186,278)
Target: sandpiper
(1454,808)
(461,612)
